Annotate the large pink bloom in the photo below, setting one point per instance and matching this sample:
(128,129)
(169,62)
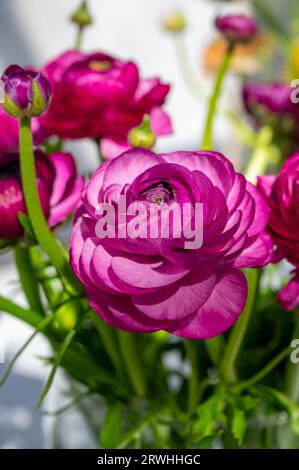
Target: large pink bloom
(146,284)
(99,96)
(282,194)
(58,184)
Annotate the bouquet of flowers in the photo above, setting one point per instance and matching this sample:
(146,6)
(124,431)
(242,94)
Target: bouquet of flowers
(169,305)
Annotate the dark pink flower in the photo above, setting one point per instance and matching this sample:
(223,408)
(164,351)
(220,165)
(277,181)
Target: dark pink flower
(145,284)
(237,28)
(58,184)
(282,195)
(98,96)
(261,99)
(271,104)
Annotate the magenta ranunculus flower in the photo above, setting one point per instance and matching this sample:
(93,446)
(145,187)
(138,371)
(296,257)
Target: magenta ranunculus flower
(236,28)
(272,104)
(26,92)
(282,194)
(99,96)
(261,99)
(58,185)
(145,283)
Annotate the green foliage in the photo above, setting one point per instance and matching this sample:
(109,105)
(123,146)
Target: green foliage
(111,431)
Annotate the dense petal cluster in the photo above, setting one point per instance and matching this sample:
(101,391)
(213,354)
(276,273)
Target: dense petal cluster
(145,284)
(58,185)
(99,96)
(282,194)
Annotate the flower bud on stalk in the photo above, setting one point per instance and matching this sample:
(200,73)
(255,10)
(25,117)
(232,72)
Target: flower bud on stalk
(236,28)
(174,22)
(143,136)
(26,93)
(82,16)
(68,314)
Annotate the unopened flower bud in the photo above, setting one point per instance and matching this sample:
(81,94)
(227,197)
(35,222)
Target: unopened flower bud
(236,28)
(26,93)
(67,315)
(82,16)
(174,22)
(142,136)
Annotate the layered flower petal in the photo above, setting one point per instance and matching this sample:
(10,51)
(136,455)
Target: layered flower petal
(164,274)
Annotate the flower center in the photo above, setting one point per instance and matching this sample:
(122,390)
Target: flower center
(100,65)
(159,193)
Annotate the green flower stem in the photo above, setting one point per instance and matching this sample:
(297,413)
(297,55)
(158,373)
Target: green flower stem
(238,388)
(109,340)
(292,373)
(227,365)
(77,363)
(214,348)
(51,285)
(39,224)
(193,384)
(58,359)
(207,139)
(79,37)
(27,277)
(43,324)
(131,357)
(29,316)
(263,154)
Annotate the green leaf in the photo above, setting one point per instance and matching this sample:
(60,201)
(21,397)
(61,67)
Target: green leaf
(281,402)
(7,242)
(207,442)
(44,323)
(239,425)
(271,17)
(210,415)
(248,402)
(111,434)
(61,351)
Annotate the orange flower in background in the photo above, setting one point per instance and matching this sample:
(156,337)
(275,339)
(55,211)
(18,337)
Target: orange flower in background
(247,58)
